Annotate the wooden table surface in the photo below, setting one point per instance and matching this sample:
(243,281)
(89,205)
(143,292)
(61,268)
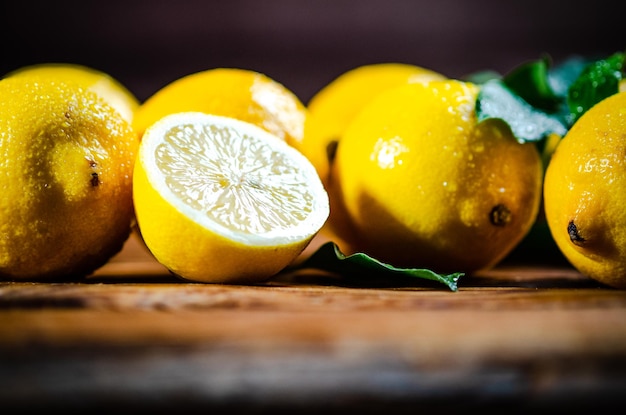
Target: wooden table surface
(516,338)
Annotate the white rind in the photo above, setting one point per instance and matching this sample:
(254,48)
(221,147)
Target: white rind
(307,228)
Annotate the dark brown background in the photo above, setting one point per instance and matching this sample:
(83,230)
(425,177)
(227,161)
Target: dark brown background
(302,44)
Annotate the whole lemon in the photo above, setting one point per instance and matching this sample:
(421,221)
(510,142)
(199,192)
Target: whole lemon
(103,84)
(231,92)
(585,192)
(424,184)
(335,105)
(66,164)
(332,109)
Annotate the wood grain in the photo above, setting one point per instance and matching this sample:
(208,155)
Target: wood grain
(133,337)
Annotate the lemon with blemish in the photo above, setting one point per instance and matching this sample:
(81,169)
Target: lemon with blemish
(584,192)
(99,82)
(424,184)
(66,164)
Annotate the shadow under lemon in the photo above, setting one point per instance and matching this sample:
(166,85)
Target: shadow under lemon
(537,247)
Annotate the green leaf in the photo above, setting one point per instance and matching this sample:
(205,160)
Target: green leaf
(562,76)
(530,81)
(537,100)
(528,123)
(599,80)
(481,77)
(329,258)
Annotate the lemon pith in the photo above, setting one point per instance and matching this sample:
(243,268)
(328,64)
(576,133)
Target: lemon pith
(240,203)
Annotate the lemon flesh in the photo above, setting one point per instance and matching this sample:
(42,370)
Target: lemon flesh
(222,200)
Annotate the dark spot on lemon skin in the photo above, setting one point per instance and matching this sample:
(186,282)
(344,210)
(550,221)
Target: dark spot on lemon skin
(500,215)
(574,234)
(95,179)
(331,151)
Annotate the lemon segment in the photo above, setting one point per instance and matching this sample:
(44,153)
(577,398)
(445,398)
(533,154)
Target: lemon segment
(222,200)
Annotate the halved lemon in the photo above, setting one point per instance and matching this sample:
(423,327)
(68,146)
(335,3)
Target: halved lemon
(222,200)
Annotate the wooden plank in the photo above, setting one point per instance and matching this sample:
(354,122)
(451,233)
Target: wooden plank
(134,337)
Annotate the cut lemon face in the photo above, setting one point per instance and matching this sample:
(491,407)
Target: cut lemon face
(222,200)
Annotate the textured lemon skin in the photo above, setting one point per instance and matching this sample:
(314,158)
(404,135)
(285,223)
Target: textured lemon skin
(195,253)
(334,106)
(66,179)
(332,109)
(585,185)
(103,84)
(341,100)
(238,93)
(419,179)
